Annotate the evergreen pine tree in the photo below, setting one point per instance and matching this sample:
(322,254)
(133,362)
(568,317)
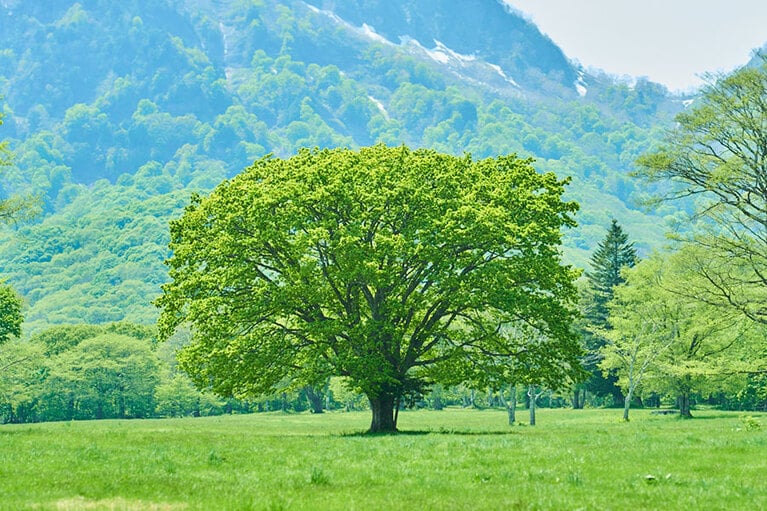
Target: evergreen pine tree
(611,256)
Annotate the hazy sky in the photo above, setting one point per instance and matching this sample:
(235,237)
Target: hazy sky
(669,41)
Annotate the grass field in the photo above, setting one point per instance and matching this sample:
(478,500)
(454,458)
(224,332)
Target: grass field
(453,459)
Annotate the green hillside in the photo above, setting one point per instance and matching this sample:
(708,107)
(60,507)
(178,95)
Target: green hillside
(118,111)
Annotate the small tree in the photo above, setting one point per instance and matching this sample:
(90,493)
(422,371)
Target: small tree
(390,267)
(639,330)
(11,316)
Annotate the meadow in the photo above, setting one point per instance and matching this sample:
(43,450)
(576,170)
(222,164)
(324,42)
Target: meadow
(451,459)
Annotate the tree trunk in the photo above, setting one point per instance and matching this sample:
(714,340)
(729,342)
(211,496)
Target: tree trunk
(315,399)
(511,406)
(382,408)
(627,405)
(284,401)
(531,392)
(684,405)
(579,398)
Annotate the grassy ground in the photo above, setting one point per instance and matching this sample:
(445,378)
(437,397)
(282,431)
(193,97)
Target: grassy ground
(454,459)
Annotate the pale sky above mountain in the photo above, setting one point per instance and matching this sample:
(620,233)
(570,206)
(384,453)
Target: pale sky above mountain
(672,42)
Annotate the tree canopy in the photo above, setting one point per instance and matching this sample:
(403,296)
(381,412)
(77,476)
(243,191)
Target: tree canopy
(10,313)
(668,342)
(717,153)
(390,267)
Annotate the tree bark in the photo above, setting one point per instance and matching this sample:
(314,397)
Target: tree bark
(684,405)
(627,405)
(382,408)
(511,406)
(315,399)
(579,399)
(533,396)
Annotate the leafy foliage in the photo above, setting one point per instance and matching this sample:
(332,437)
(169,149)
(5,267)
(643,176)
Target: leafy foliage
(682,343)
(612,255)
(97,371)
(10,313)
(387,266)
(717,154)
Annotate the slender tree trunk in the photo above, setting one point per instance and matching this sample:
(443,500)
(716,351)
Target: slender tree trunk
(511,406)
(382,407)
(284,402)
(627,404)
(531,392)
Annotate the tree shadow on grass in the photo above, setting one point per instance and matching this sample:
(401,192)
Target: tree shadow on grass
(424,432)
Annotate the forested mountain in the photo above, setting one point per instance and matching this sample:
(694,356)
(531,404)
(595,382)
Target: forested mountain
(118,111)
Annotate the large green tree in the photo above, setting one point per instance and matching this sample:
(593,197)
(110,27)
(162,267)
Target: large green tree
(390,267)
(717,154)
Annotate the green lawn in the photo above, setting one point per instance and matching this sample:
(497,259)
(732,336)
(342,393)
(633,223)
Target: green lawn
(454,459)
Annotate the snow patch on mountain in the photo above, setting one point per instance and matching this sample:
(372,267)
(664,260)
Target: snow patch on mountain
(500,72)
(580,85)
(445,55)
(380,105)
(370,32)
(467,67)
(365,30)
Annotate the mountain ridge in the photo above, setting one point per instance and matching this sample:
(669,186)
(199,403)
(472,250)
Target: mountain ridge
(116,109)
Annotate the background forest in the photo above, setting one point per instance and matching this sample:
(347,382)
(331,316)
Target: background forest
(117,112)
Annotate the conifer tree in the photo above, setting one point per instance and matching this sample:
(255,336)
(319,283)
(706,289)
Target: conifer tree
(613,254)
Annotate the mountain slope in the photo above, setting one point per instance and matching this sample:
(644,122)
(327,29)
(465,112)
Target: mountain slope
(483,29)
(118,111)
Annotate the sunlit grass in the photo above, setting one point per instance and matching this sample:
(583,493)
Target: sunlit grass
(454,459)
